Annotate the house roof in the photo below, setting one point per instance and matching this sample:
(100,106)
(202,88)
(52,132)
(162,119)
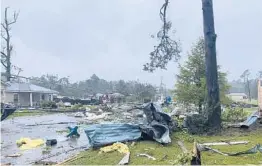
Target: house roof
(237,94)
(27,87)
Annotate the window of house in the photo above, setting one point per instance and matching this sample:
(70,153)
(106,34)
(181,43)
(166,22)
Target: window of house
(15,98)
(43,97)
(50,98)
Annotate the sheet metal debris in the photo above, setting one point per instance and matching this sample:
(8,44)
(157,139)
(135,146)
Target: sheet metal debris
(158,127)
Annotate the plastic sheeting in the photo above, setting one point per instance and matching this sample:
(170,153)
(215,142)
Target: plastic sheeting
(6,110)
(105,134)
(27,143)
(158,127)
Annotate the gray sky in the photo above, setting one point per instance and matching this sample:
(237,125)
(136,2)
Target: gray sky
(111,38)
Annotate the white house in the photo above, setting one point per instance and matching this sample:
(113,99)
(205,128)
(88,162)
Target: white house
(26,94)
(237,96)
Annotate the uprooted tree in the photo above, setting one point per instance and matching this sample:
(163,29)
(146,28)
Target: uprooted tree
(7,47)
(169,49)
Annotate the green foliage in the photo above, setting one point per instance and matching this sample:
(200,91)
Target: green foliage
(183,158)
(234,115)
(191,81)
(93,85)
(48,104)
(78,107)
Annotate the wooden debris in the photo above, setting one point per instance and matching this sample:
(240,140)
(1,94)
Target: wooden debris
(164,157)
(217,151)
(75,157)
(14,155)
(225,143)
(125,159)
(146,155)
(196,156)
(133,144)
(182,146)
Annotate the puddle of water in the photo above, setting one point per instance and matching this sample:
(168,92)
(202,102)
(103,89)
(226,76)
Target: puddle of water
(12,130)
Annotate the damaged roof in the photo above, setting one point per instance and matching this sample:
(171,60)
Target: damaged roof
(27,87)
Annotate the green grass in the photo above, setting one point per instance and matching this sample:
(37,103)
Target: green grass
(27,113)
(166,155)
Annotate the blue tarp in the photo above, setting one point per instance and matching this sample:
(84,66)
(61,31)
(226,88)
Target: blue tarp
(158,127)
(6,110)
(250,120)
(104,134)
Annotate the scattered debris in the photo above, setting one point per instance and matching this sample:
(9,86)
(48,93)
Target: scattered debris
(133,144)
(196,156)
(164,157)
(255,149)
(182,146)
(120,147)
(146,155)
(73,132)
(93,117)
(75,157)
(14,155)
(125,159)
(49,123)
(158,127)
(51,142)
(225,143)
(27,143)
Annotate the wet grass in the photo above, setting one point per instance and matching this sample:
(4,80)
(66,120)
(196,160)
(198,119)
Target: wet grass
(26,113)
(166,155)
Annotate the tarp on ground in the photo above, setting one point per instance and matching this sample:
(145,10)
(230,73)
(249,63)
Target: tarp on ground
(251,120)
(105,134)
(157,128)
(6,110)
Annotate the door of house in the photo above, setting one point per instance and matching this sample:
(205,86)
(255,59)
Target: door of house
(15,98)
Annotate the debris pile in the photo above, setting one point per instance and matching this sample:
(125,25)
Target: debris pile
(158,126)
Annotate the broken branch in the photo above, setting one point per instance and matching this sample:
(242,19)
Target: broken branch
(182,146)
(225,143)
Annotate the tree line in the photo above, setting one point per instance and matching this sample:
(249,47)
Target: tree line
(94,85)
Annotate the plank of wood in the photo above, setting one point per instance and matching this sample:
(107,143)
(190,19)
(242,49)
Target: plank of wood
(182,146)
(225,143)
(125,159)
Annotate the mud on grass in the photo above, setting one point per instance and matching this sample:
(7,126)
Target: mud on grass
(166,155)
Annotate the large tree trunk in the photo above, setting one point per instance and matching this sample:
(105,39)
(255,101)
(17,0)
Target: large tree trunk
(214,108)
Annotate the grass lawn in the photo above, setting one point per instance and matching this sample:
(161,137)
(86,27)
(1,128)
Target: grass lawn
(26,113)
(166,155)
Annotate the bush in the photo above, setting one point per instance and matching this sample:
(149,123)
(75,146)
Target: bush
(48,104)
(77,107)
(234,115)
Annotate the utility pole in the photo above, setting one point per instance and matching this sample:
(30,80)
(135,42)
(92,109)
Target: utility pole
(213,100)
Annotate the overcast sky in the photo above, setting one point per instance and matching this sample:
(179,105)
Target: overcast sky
(111,38)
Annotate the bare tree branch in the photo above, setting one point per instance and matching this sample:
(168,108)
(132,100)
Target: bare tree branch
(167,49)
(3,63)
(3,54)
(3,36)
(15,16)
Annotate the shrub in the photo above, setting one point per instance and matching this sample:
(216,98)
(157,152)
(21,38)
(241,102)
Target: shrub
(48,104)
(234,115)
(77,107)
